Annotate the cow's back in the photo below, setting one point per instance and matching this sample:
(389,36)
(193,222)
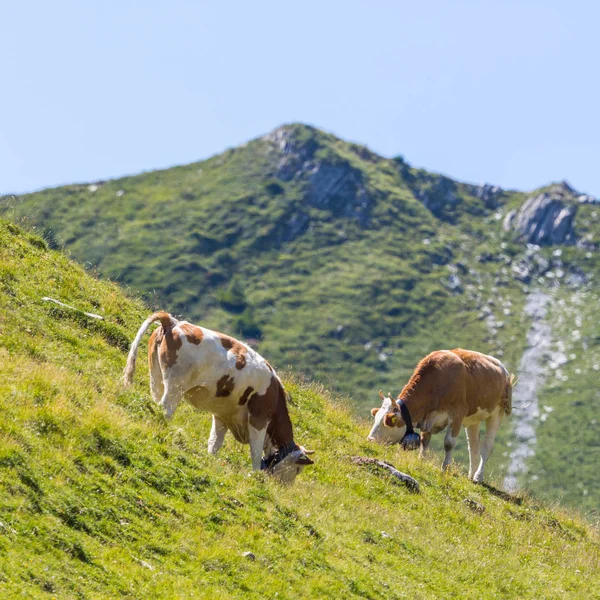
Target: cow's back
(439,381)
(485,382)
(223,369)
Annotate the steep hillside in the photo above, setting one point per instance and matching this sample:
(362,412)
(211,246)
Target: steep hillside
(348,267)
(101,498)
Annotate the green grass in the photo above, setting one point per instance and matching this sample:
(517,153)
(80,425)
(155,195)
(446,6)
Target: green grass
(350,289)
(101,498)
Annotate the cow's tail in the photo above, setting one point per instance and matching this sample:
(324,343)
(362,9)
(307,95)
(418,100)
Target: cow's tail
(511,381)
(167,322)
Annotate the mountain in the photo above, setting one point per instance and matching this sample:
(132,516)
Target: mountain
(101,498)
(348,267)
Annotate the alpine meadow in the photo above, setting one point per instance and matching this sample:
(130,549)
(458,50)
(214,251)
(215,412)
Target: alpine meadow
(342,268)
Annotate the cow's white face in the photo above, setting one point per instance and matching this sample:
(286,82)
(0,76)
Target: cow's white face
(389,428)
(292,465)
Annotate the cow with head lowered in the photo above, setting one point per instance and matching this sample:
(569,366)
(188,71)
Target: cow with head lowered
(447,390)
(221,375)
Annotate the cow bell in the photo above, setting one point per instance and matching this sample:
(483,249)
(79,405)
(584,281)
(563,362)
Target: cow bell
(411,441)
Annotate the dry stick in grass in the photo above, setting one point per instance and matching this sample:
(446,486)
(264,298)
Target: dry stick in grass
(47,299)
(410,482)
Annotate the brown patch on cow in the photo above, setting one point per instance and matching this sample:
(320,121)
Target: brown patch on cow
(237,348)
(169,339)
(393,420)
(244,397)
(164,341)
(166,320)
(193,333)
(225,386)
(170,342)
(270,367)
(429,364)
(270,410)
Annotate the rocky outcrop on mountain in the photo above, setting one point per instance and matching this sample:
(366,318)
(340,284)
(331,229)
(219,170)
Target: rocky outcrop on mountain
(545,218)
(339,188)
(332,184)
(488,193)
(437,193)
(293,151)
(442,195)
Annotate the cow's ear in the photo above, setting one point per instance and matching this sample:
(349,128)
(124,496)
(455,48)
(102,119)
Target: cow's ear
(374,411)
(389,420)
(304,460)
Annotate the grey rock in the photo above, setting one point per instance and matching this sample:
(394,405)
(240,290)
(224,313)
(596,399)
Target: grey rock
(454,284)
(475,506)
(332,184)
(544,219)
(522,271)
(438,194)
(508,219)
(488,193)
(339,188)
(294,154)
(576,278)
(587,199)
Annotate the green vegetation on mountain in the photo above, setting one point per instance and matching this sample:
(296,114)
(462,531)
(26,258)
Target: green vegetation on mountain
(349,267)
(100,497)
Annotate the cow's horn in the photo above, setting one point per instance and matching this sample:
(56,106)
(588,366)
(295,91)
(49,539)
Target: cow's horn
(381,395)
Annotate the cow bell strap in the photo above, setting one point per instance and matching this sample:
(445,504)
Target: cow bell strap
(277,457)
(405,416)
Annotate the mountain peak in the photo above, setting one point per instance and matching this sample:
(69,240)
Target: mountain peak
(292,134)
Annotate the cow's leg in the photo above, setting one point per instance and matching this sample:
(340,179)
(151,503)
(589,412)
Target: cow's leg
(157,388)
(492,424)
(425,439)
(450,440)
(473,444)
(217,435)
(257,432)
(260,408)
(170,399)
(257,444)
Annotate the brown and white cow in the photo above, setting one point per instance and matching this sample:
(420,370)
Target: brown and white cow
(448,388)
(221,375)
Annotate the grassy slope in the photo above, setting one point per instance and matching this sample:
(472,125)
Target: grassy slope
(351,305)
(100,498)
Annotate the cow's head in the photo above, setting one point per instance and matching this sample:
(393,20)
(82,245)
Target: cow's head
(291,465)
(389,427)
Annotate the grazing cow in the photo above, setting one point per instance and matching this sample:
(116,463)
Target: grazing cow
(449,388)
(219,374)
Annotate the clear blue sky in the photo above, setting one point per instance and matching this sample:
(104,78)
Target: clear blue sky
(505,92)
